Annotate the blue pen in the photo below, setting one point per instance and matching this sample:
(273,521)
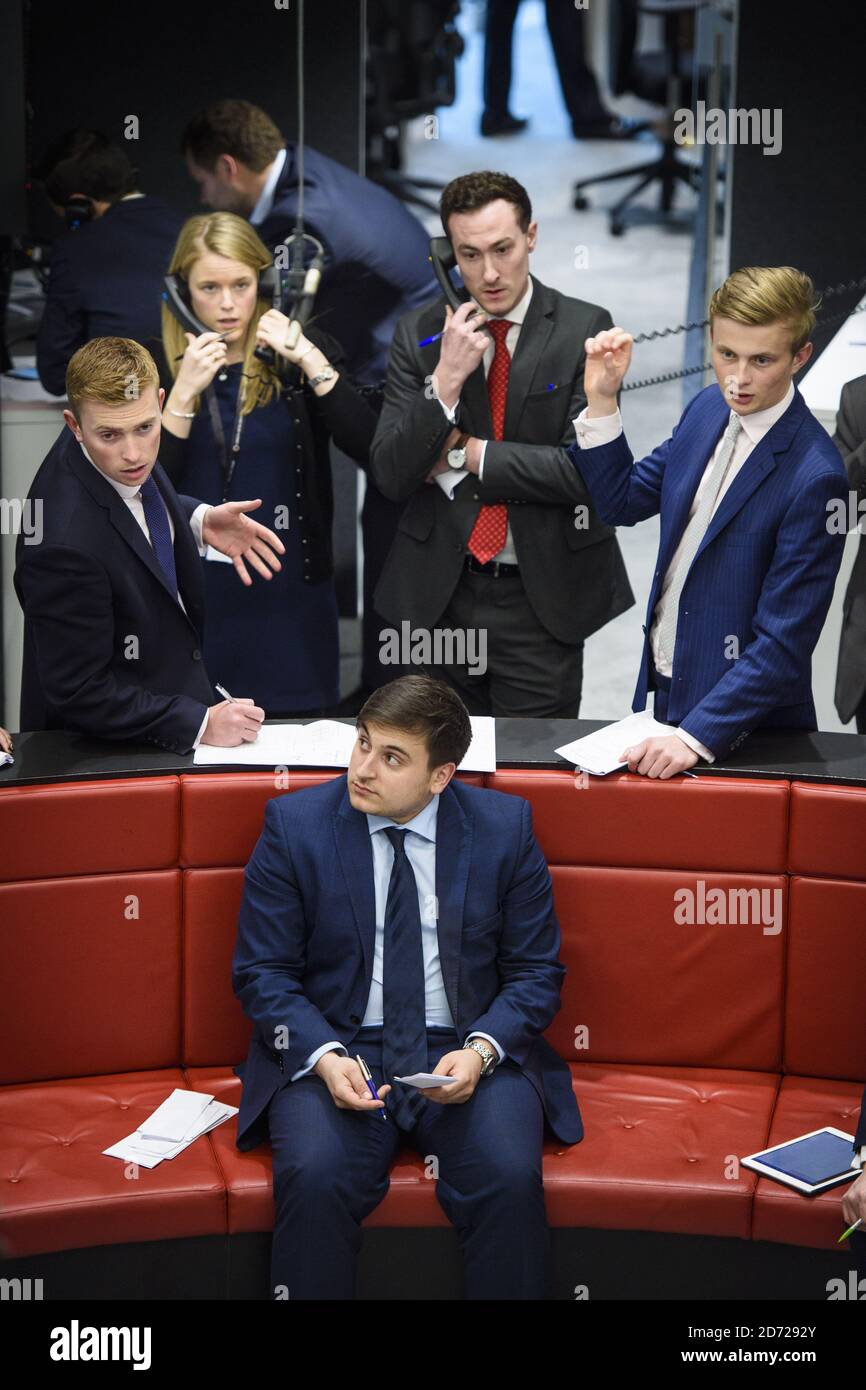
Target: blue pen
(367,1075)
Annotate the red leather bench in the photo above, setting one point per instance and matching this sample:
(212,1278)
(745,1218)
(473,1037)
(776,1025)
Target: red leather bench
(689,1044)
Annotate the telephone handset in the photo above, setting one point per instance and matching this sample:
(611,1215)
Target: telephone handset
(176,296)
(443,260)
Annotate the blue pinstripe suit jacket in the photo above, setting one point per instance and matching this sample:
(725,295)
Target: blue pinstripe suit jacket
(763,574)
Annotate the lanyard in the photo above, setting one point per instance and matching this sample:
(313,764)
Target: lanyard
(226,462)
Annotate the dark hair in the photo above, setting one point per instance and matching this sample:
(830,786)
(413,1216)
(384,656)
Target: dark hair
(422,705)
(238,128)
(85,161)
(470,192)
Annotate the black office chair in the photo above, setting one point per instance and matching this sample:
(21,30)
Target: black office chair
(412,52)
(660,77)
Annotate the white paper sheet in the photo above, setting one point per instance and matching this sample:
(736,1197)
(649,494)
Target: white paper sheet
(425,1080)
(599,753)
(328,743)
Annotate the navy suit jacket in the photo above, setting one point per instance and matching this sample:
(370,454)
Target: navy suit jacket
(90,585)
(763,573)
(304,954)
(377,263)
(106,281)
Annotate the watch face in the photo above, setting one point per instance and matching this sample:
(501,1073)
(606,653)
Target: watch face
(457,458)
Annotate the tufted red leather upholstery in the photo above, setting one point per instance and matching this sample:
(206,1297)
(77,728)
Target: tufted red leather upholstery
(689,1044)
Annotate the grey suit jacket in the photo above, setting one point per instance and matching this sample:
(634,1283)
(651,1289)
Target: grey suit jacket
(570,562)
(850,437)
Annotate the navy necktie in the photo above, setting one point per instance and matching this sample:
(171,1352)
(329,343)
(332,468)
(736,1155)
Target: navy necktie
(156,516)
(404,1027)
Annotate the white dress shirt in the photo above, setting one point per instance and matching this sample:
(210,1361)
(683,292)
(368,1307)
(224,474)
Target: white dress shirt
(266,197)
(448,481)
(131,494)
(604,429)
(420,846)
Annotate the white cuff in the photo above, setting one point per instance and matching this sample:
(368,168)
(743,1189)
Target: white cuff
(450,410)
(602,429)
(695,745)
(196,522)
(449,480)
(859,1159)
(483,443)
(314,1057)
(198,737)
(487,1037)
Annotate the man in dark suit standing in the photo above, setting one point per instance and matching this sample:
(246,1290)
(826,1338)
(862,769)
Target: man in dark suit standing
(377,268)
(404,918)
(850,437)
(106,275)
(499,537)
(109,576)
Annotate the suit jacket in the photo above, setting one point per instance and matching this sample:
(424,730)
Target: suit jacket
(377,264)
(90,585)
(306,933)
(850,438)
(106,281)
(763,573)
(573,574)
(860,1136)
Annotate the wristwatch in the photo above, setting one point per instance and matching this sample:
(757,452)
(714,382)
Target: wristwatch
(457,455)
(485,1052)
(324,375)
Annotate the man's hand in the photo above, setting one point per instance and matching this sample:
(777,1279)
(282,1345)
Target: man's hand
(608,355)
(660,757)
(345,1081)
(461,349)
(854,1202)
(233,722)
(228,530)
(466,1065)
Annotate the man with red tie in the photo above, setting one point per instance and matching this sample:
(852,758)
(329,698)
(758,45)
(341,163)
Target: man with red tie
(500,568)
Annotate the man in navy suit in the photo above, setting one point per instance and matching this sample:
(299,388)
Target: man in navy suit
(109,572)
(400,916)
(106,275)
(377,269)
(749,489)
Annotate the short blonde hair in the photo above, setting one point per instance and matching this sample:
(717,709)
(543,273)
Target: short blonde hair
(109,370)
(762,294)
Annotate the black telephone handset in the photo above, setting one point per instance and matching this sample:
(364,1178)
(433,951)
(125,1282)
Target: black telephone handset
(443,260)
(176,296)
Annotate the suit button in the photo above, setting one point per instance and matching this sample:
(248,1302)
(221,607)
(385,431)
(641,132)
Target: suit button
(353,1018)
(475,497)
(196,656)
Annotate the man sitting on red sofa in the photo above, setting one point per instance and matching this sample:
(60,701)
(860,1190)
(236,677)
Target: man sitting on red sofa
(406,918)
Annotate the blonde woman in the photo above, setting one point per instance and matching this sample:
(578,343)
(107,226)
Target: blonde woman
(232,429)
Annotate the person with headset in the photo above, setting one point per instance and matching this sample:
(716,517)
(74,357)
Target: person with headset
(235,426)
(107,269)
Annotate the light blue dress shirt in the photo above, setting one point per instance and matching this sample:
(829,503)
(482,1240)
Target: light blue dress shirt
(420,844)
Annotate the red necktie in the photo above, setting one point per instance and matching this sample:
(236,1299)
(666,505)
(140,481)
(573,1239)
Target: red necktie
(488,533)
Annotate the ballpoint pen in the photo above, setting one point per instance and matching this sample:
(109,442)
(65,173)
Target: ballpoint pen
(367,1075)
(846,1234)
(221,690)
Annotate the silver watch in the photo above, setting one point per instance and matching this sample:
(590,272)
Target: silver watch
(485,1052)
(325,374)
(457,456)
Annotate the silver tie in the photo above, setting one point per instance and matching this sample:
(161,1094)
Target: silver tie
(693,535)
